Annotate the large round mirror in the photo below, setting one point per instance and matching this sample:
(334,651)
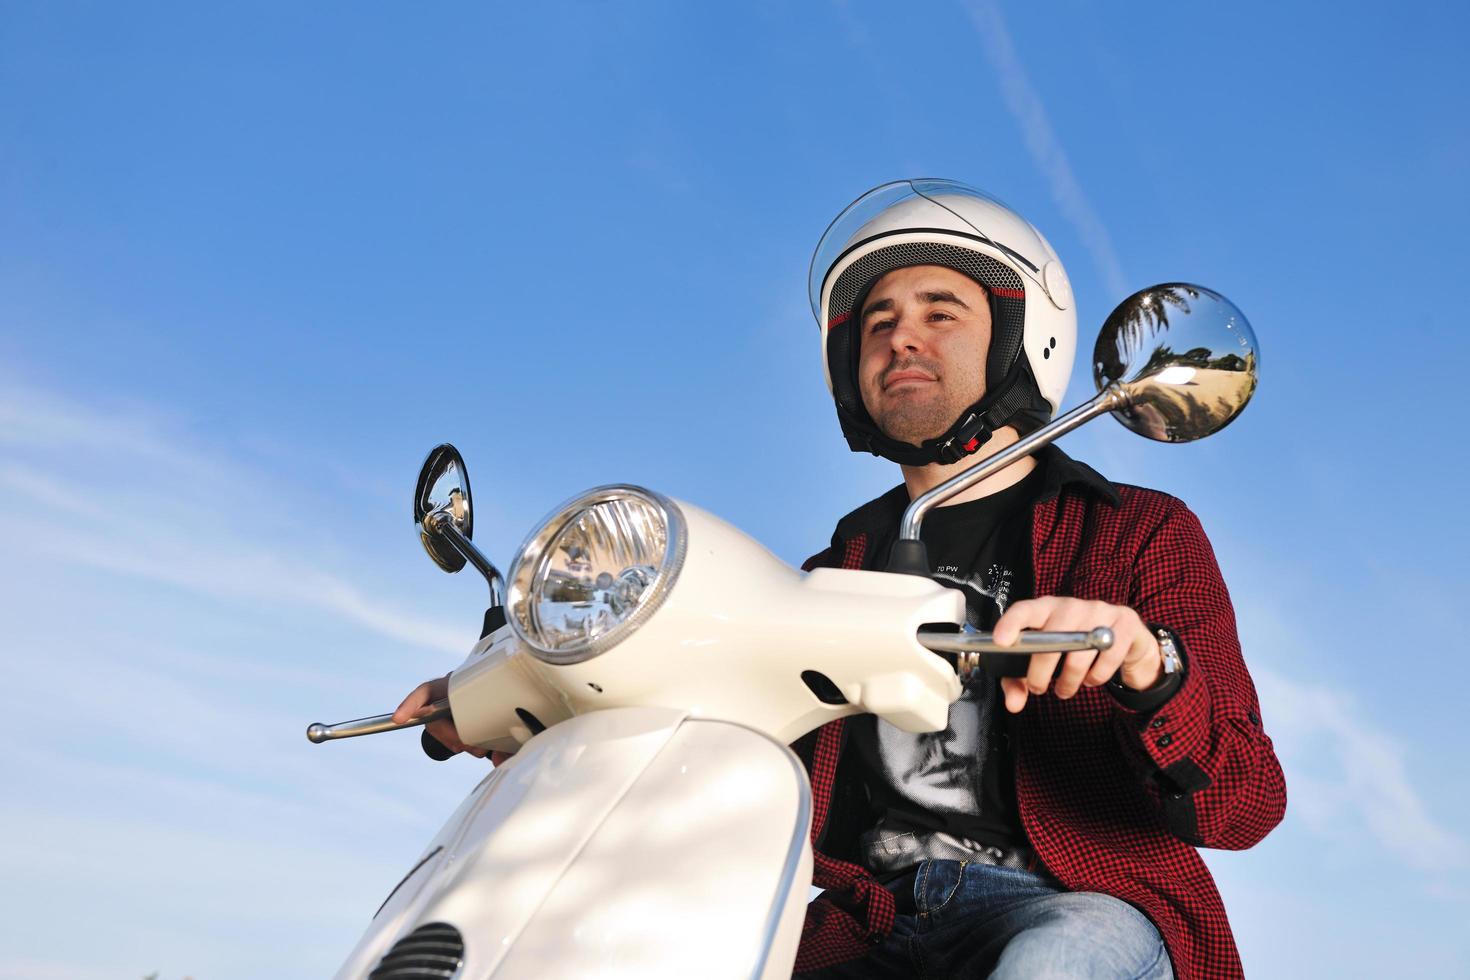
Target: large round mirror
(1186,357)
(443,488)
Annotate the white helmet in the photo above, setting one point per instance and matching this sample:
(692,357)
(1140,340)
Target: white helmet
(941,222)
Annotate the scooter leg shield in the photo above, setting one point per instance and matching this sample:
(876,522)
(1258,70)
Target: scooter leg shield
(632,842)
(702,869)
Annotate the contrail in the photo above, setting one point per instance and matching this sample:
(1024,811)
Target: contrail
(1041,142)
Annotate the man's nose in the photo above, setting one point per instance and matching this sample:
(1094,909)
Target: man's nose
(907,334)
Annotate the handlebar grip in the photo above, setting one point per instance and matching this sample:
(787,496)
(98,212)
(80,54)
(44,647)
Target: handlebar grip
(1010,665)
(433,748)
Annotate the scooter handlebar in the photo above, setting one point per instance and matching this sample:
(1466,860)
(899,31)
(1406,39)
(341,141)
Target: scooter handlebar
(973,651)
(318,733)
(1029,642)
(973,644)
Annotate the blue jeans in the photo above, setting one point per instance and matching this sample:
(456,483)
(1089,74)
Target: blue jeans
(979,920)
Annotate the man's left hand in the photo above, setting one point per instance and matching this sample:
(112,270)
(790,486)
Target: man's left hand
(1135,651)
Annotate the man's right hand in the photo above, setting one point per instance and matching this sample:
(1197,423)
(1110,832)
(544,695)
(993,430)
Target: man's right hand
(418,703)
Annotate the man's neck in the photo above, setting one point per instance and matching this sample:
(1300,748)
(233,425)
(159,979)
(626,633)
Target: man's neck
(922,479)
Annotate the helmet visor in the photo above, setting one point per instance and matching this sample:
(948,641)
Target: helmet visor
(944,206)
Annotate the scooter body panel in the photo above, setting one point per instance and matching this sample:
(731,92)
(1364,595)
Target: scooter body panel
(628,842)
(733,641)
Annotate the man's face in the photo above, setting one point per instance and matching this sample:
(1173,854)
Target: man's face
(925,336)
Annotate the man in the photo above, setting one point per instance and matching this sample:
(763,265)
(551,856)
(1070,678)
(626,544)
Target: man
(1050,830)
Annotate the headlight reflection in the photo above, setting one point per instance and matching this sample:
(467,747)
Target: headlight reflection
(594,571)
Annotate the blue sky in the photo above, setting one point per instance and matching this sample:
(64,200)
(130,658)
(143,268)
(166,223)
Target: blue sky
(255,261)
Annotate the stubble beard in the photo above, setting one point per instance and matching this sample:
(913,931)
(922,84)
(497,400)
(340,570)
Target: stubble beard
(915,416)
(913,420)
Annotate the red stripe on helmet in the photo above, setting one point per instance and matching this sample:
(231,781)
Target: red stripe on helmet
(839,320)
(1008,293)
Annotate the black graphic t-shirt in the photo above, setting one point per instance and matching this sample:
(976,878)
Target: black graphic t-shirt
(933,793)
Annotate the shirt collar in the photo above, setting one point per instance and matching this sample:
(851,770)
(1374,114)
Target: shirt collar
(1062,472)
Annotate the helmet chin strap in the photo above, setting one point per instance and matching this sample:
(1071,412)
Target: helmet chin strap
(1017,394)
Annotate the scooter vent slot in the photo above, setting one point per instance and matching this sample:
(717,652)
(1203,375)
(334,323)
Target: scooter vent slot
(434,951)
(822,686)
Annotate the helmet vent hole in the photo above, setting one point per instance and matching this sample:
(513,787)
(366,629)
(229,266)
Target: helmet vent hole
(1053,344)
(1046,352)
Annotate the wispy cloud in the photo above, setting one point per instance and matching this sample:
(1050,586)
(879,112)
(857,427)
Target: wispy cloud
(1347,777)
(137,498)
(233,573)
(140,501)
(30,969)
(1348,774)
(1025,105)
(36,419)
(171,797)
(1350,777)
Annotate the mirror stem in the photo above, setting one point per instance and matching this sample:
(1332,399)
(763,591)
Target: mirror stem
(908,552)
(441,523)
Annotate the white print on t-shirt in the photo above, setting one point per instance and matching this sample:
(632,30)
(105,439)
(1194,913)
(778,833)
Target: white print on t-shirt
(940,771)
(994,584)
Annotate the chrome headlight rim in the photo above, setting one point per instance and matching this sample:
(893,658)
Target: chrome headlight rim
(526,566)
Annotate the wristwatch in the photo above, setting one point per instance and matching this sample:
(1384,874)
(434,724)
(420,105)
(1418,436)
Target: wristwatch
(1169,650)
(1173,676)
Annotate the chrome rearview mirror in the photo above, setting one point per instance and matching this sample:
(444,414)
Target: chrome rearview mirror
(444,516)
(1174,362)
(1185,356)
(443,496)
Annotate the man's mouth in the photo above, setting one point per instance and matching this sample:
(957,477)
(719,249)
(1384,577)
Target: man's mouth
(908,377)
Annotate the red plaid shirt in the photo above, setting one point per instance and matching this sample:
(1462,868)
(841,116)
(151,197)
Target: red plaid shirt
(1112,800)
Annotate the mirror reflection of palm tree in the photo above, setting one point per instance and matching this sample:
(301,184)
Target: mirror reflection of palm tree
(1131,326)
(1198,357)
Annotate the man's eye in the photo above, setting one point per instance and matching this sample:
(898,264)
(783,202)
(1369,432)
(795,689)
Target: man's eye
(881,325)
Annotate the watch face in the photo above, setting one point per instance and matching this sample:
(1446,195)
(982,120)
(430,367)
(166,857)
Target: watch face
(1168,652)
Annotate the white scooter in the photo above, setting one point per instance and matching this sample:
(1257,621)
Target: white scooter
(648,664)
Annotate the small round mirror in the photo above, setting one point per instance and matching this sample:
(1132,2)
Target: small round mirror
(1185,355)
(444,487)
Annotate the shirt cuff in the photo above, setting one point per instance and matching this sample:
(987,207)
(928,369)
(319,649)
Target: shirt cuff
(1157,696)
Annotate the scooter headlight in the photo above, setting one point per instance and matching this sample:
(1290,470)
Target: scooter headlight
(597,568)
